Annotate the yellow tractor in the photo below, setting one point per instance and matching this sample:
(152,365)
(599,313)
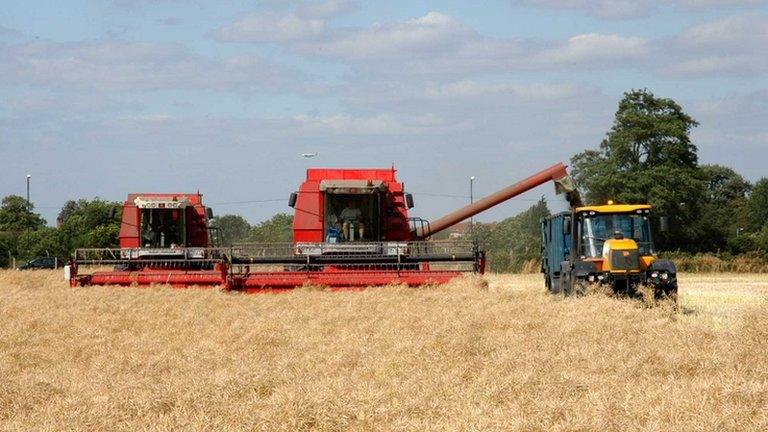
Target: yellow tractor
(607,244)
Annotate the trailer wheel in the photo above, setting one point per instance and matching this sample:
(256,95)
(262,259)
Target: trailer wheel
(553,285)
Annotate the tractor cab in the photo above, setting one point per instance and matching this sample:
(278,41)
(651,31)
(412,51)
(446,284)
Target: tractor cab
(617,238)
(351,210)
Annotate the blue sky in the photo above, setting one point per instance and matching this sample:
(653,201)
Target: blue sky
(103,98)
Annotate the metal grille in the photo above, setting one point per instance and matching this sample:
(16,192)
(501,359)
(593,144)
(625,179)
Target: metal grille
(373,253)
(625,259)
(362,252)
(150,256)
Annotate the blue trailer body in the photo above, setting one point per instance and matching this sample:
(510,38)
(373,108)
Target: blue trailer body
(555,248)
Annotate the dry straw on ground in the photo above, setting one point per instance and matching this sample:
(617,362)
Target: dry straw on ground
(459,357)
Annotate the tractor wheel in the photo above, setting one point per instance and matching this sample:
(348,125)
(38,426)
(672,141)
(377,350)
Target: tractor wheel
(668,292)
(580,287)
(553,285)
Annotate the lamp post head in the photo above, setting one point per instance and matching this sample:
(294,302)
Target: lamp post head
(472,178)
(29,176)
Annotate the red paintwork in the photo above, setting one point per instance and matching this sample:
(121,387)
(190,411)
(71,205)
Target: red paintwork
(266,281)
(257,282)
(308,215)
(196,223)
(150,276)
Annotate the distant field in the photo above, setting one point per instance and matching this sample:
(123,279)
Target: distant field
(459,357)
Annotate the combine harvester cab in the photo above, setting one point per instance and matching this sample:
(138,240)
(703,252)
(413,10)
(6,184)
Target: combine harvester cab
(351,229)
(164,239)
(607,245)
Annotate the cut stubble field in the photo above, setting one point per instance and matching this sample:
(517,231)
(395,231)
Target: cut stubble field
(492,353)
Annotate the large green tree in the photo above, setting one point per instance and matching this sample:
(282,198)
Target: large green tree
(276,229)
(235,229)
(19,225)
(89,224)
(648,157)
(724,210)
(16,214)
(45,241)
(757,207)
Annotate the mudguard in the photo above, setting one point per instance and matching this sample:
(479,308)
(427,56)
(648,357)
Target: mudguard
(668,287)
(663,265)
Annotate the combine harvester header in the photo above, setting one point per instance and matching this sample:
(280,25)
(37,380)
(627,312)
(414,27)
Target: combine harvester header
(351,228)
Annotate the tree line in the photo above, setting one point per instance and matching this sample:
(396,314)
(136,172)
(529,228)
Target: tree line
(24,234)
(647,157)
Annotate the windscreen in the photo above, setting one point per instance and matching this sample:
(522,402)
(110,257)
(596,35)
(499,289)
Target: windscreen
(597,228)
(162,228)
(351,217)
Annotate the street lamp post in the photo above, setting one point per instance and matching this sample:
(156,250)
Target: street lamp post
(471,200)
(29,209)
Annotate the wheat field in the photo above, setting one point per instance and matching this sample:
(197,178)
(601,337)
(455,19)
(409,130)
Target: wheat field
(478,354)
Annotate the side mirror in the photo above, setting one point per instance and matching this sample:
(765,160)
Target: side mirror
(664,224)
(209,213)
(567,225)
(292,199)
(409,200)
(111,214)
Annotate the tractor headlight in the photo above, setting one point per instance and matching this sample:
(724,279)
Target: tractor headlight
(655,274)
(600,277)
(664,276)
(591,278)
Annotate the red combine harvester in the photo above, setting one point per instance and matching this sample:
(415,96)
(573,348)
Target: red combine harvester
(351,228)
(164,239)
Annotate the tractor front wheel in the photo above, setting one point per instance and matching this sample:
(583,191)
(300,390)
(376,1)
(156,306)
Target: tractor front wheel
(580,287)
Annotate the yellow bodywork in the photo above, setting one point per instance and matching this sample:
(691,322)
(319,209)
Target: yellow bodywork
(614,208)
(619,244)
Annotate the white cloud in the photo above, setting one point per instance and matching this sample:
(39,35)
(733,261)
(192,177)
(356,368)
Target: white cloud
(731,32)
(383,124)
(593,48)
(739,65)
(436,95)
(437,44)
(270,27)
(41,104)
(627,9)
(327,9)
(305,22)
(427,35)
(127,66)
(735,45)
